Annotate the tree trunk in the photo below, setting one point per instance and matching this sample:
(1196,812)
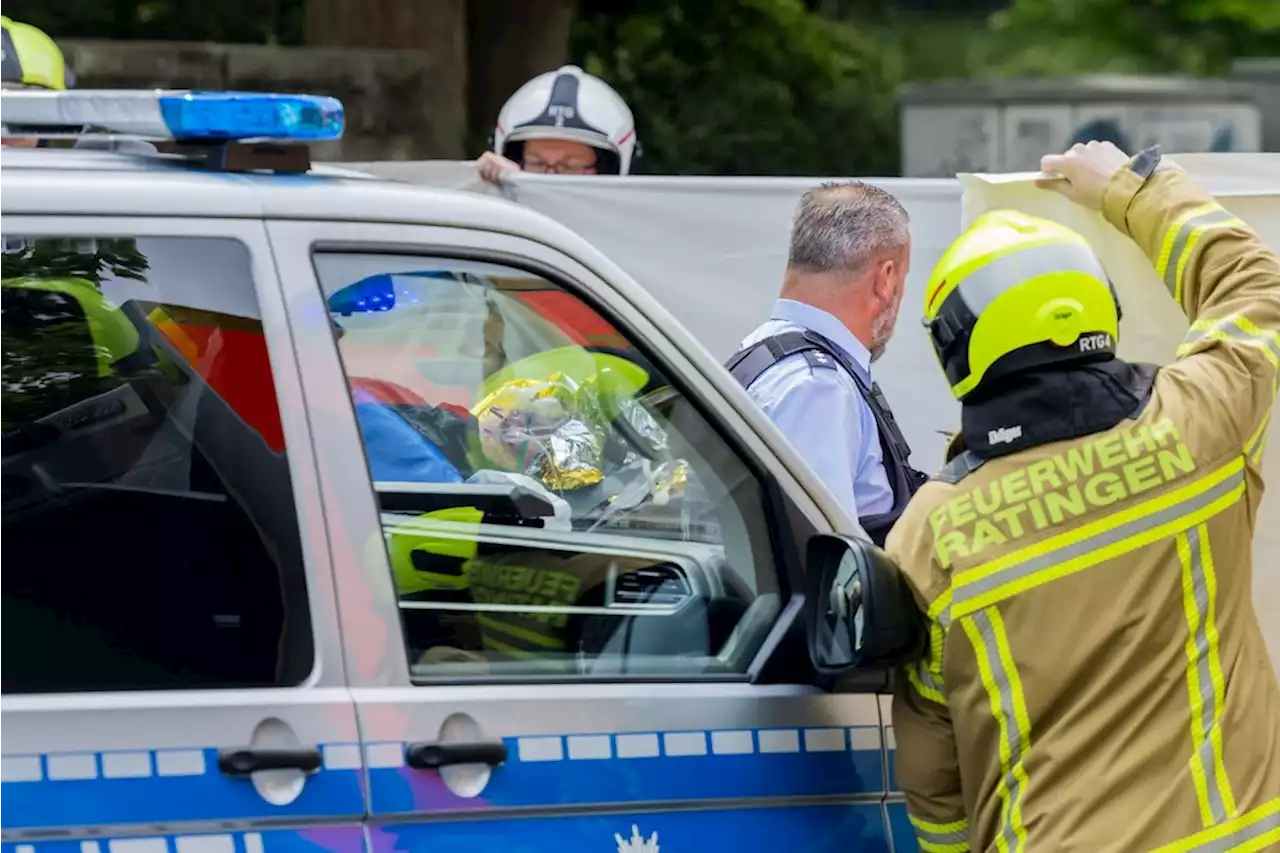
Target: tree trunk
(435,25)
(437,95)
(510,41)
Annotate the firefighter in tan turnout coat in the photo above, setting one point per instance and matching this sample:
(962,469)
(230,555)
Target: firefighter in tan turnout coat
(1096,679)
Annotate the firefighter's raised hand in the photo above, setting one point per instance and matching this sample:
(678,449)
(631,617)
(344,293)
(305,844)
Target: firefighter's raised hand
(1082,173)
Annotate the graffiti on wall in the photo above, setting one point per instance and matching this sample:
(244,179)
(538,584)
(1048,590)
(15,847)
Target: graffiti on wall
(1182,134)
(972,142)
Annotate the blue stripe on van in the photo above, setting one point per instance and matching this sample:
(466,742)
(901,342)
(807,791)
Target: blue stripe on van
(325,839)
(891,748)
(804,829)
(811,829)
(164,786)
(900,829)
(646,766)
(161,786)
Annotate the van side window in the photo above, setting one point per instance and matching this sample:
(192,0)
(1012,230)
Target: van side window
(149,533)
(552,503)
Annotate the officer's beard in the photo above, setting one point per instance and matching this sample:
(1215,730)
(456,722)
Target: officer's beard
(882,330)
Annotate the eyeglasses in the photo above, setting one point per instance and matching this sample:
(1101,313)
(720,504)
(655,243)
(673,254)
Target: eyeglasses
(559,167)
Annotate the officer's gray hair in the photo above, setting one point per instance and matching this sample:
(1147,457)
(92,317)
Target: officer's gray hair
(845,226)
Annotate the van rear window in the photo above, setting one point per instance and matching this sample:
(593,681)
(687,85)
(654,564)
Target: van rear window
(150,538)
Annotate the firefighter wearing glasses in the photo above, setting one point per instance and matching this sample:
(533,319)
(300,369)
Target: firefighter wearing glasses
(1097,679)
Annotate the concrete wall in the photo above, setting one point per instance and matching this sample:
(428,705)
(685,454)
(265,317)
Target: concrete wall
(400,105)
(1006,125)
(1263,75)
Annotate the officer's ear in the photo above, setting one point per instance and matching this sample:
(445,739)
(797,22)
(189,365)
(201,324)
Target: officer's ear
(884,282)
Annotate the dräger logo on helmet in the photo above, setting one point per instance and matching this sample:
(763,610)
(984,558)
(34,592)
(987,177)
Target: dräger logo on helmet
(562,113)
(1004,435)
(1095,343)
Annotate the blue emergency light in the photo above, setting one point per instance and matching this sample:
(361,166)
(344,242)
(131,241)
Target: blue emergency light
(177,115)
(378,292)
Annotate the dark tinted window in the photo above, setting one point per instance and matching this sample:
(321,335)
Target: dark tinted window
(149,538)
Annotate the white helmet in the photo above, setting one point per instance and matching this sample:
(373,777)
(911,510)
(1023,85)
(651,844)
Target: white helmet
(573,105)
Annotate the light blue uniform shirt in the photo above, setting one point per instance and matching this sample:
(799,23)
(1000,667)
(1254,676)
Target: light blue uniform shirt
(822,412)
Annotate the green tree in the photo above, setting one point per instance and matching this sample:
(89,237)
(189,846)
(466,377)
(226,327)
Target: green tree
(1133,36)
(747,87)
(53,257)
(251,21)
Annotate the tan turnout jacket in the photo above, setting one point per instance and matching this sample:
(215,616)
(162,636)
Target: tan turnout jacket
(1097,680)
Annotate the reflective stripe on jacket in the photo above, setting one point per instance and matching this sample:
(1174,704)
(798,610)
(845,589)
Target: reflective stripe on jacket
(1097,679)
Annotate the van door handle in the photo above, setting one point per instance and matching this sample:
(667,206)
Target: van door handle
(430,755)
(247,760)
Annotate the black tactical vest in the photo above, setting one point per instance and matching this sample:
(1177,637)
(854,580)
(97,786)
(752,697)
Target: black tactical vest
(748,364)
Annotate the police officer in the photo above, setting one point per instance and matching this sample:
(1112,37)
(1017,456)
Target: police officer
(1097,679)
(809,365)
(563,122)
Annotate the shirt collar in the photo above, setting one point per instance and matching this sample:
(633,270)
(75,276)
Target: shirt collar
(816,320)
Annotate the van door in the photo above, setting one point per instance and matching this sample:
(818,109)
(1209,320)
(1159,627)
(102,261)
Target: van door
(565,575)
(172,673)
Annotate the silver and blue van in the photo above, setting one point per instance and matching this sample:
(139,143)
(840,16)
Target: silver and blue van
(343,515)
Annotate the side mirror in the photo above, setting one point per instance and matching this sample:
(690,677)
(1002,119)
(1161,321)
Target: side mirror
(860,610)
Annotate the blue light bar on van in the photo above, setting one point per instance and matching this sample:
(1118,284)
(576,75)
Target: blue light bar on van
(177,115)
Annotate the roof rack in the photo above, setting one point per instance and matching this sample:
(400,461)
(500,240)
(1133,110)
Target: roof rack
(225,131)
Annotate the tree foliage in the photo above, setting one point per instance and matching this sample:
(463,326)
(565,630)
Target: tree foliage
(754,87)
(764,87)
(232,21)
(1128,36)
(48,258)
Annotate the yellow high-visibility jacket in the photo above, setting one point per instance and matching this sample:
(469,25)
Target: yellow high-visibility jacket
(1097,679)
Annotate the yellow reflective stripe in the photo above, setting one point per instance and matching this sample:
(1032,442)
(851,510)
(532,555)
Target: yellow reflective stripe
(950,837)
(1166,245)
(940,610)
(1206,687)
(1253,447)
(926,675)
(1180,241)
(1022,263)
(516,631)
(1200,536)
(496,645)
(932,828)
(1235,328)
(923,681)
(937,638)
(934,847)
(976,267)
(1239,329)
(942,837)
(1252,831)
(1083,547)
(1009,706)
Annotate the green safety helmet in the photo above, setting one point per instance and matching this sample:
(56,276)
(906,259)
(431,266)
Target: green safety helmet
(615,377)
(429,552)
(114,336)
(1013,293)
(31,58)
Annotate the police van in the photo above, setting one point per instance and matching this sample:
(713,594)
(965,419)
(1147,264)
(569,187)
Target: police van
(346,515)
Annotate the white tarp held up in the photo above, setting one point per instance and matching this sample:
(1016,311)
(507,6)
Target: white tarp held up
(713,251)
